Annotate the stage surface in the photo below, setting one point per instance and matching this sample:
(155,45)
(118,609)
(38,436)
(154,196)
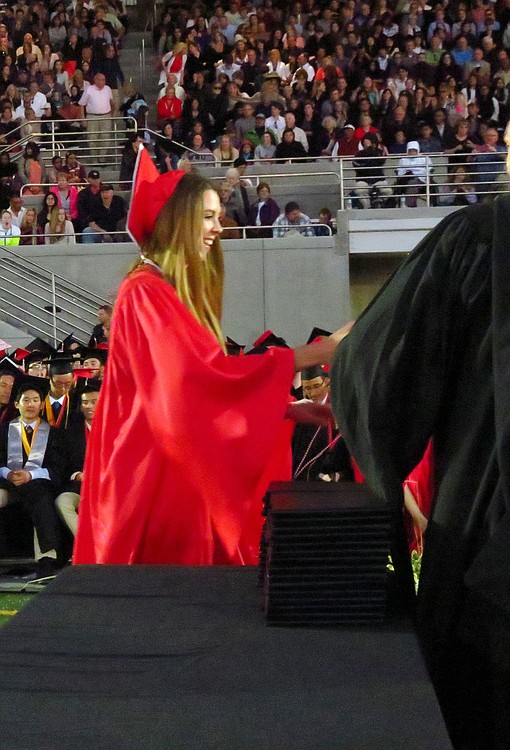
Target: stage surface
(171,658)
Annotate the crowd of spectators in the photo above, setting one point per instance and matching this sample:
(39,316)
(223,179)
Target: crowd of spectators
(268,80)
(52,55)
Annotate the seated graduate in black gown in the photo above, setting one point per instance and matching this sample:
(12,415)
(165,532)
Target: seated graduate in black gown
(318,452)
(58,406)
(30,457)
(75,444)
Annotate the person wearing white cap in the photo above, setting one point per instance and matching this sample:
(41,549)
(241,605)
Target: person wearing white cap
(413,170)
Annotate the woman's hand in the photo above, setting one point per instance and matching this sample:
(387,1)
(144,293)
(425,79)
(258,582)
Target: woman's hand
(320,352)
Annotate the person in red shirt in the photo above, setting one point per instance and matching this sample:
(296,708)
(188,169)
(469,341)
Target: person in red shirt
(169,106)
(184,437)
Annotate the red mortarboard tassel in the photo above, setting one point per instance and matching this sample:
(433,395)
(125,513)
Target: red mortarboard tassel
(82,372)
(150,193)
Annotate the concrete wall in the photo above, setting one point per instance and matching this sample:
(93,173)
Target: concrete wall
(288,285)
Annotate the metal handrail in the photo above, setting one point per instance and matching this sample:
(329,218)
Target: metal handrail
(58,296)
(296,227)
(67,282)
(79,185)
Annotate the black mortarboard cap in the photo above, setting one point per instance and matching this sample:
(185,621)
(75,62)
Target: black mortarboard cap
(70,345)
(316,371)
(34,357)
(27,383)
(90,385)
(60,364)
(267,340)
(318,333)
(38,345)
(9,367)
(233,347)
(94,353)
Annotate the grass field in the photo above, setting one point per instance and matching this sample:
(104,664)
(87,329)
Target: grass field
(10,604)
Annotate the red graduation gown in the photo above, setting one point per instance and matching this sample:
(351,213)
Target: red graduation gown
(181,440)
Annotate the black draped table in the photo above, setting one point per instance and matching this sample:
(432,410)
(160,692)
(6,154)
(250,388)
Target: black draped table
(172,658)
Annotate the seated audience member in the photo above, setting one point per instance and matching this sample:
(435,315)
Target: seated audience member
(16,209)
(225,153)
(67,195)
(198,151)
(318,452)
(488,162)
(345,142)
(88,198)
(76,172)
(458,145)
(100,331)
(292,220)
(265,151)
(369,168)
(30,459)
(58,404)
(128,160)
(167,151)
(169,106)
(289,148)
(239,194)
(71,126)
(299,133)
(29,228)
(59,230)
(106,217)
(325,222)
(57,164)
(75,443)
(427,142)
(413,171)
(458,191)
(9,233)
(398,144)
(33,169)
(263,213)
(44,215)
(231,229)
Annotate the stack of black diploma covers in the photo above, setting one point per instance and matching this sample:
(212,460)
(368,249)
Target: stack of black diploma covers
(324,554)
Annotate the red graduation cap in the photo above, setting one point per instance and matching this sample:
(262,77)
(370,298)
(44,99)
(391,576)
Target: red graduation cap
(151,191)
(20,354)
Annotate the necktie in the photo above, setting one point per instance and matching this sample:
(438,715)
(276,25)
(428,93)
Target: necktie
(56,406)
(29,432)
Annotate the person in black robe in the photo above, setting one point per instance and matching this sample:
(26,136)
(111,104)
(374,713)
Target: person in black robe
(318,451)
(75,445)
(430,357)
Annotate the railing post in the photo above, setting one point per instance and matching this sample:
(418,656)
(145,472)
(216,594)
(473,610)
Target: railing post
(54,309)
(342,190)
(53,136)
(427,185)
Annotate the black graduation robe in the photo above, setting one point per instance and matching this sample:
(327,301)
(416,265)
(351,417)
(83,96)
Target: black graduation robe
(75,445)
(311,457)
(430,357)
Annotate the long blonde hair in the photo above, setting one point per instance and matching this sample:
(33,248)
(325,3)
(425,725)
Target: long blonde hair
(175,245)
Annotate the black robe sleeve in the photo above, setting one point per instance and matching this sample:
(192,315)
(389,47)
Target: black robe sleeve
(419,363)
